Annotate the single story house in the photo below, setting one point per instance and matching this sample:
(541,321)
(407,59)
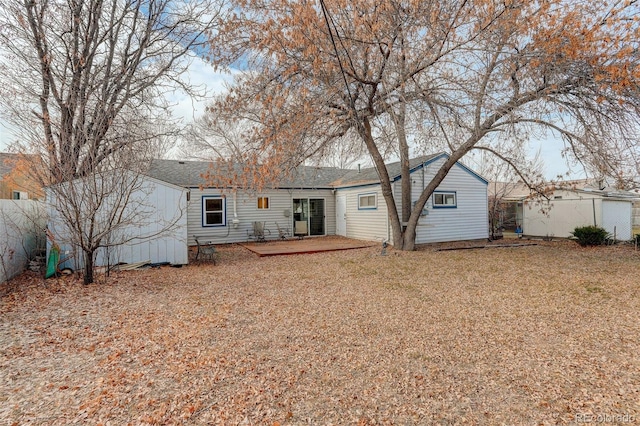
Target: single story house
(222,215)
(315,201)
(331,201)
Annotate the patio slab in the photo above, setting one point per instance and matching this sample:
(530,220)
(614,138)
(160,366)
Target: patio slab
(306,245)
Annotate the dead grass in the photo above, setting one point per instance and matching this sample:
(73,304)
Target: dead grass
(530,335)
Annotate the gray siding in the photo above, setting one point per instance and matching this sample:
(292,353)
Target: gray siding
(369,224)
(468,221)
(246,212)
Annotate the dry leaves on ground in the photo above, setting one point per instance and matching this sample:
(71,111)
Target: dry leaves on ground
(527,335)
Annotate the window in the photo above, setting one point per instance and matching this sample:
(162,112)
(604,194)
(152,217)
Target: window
(445,200)
(263,203)
(367,202)
(15,195)
(213,211)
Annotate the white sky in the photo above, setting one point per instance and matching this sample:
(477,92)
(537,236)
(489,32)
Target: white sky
(201,73)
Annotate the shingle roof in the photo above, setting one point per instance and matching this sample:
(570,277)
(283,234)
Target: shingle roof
(189,174)
(181,173)
(370,175)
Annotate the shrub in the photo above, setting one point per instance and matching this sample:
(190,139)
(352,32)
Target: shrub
(590,235)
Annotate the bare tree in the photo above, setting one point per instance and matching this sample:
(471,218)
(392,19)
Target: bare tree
(89,87)
(213,136)
(92,216)
(503,183)
(468,71)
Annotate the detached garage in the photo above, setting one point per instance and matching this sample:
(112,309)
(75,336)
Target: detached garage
(567,209)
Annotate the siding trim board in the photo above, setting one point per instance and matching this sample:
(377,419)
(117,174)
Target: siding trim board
(362,185)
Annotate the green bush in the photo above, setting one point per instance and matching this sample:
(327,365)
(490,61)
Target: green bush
(590,235)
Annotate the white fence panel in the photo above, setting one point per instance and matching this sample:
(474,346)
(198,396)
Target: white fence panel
(22,224)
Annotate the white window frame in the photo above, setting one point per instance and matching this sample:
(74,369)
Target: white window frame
(368,195)
(445,195)
(223,210)
(263,197)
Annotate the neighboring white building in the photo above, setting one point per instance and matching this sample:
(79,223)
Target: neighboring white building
(567,205)
(567,209)
(457,210)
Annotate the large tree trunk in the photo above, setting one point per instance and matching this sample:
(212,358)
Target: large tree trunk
(364,130)
(405,177)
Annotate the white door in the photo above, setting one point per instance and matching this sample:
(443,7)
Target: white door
(341,215)
(616,219)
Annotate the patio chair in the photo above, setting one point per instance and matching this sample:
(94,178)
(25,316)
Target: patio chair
(283,233)
(206,250)
(301,229)
(259,232)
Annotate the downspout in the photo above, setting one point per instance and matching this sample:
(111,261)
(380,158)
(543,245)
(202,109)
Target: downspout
(235,221)
(593,202)
(388,222)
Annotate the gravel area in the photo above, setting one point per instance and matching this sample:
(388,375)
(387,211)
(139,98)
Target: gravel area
(544,334)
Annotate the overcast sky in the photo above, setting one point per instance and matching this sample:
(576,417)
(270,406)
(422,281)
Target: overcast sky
(201,73)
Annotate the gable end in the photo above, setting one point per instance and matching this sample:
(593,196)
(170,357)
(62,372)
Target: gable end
(439,157)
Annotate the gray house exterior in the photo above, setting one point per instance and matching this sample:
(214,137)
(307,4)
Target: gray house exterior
(456,211)
(227,215)
(330,201)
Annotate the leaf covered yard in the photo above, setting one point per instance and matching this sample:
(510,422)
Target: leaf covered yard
(528,335)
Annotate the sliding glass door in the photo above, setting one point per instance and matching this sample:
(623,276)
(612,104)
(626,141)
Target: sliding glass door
(308,216)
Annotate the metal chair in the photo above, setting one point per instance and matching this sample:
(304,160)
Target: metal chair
(259,232)
(206,250)
(283,233)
